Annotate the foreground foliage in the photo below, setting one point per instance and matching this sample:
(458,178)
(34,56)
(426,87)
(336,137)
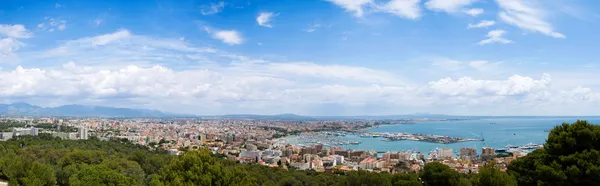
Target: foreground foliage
(570,157)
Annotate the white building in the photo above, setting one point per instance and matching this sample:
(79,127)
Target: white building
(446,153)
(339,159)
(25,131)
(83,133)
(246,154)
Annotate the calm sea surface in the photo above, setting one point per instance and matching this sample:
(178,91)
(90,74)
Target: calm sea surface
(497,132)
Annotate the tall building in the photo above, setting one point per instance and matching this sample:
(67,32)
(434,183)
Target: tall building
(83,133)
(487,153)
(203,139)
(318,148)
(468,153)
(446,153)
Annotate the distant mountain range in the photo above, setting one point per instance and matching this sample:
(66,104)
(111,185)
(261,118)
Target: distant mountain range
(25,109)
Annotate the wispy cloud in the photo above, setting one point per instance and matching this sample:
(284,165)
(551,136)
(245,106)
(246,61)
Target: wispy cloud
(10,43)
(403,8)
(354,6)
(450,6)
(525,15)
(312,28)
(98,22)
(482,24)
(213,8)
(474,11)
(495,36)
(14,31)
(265,18)
(52,24)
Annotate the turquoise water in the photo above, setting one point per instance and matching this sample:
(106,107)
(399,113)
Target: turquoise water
(497,132)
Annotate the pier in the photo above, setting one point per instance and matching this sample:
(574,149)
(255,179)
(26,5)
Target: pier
(420,137)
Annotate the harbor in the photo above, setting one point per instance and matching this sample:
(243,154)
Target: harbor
(347,139)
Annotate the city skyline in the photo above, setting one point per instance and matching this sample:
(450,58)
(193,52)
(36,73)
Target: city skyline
(334,57)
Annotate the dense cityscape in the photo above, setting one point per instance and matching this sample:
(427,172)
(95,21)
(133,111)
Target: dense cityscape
(264,141)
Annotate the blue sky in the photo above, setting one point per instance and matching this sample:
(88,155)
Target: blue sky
(321,57)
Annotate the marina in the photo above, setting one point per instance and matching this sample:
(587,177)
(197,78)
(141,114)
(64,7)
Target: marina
(517,131)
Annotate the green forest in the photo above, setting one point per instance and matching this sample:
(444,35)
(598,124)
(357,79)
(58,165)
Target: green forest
(569,157)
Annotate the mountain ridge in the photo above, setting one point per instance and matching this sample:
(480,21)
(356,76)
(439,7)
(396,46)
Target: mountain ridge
(74,110)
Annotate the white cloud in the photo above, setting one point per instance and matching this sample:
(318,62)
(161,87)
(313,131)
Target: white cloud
(10,44)
(14,31)
(264,19)
(313,27)
(525,15)
(57,5)
(213,8)
(52,24)
(466,86)
(474,11)
(450,6)
(341,72)
(485,66)
(403,8)
(482,24)
(8,47)
(230,37)
(448,64)
(354,6)
(171,74)
(495,36)
(105,39)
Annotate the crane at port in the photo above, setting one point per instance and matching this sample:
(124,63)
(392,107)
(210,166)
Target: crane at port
(482,138)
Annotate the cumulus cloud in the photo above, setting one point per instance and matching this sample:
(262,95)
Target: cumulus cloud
(230,37)
(213,8)
(495,36)
(482,24)
(450,6)
(525,15)
(474,11)
(466,86)
(264,19)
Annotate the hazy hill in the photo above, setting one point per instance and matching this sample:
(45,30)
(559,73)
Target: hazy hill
(24,109)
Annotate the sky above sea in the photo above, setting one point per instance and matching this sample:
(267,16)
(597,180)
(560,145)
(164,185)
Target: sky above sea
(309,57)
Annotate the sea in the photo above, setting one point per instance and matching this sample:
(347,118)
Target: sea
(496,132)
